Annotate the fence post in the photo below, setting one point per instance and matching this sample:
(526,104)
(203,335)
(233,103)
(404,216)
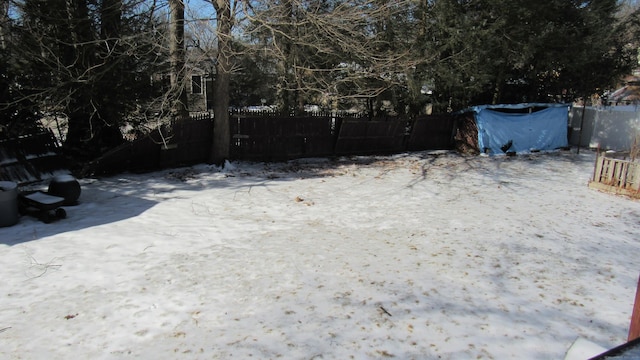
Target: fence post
(584,110)
(634,327)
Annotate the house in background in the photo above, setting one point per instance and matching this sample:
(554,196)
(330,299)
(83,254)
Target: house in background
(628,94)
(198,86)
(200,90)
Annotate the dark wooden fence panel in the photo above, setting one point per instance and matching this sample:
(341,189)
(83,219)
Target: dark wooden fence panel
(280,138)
(272,137)
(250,138)
(140,155)
(184,142)
(189,143)
(432,132)
(30,158)
(363,136)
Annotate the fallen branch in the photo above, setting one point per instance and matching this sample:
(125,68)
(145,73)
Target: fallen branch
(41,268)
(385,311)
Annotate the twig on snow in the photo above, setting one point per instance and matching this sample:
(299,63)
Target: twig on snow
(385,311)
(42,268)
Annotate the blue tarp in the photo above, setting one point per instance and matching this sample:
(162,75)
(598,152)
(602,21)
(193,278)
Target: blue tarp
(499,132)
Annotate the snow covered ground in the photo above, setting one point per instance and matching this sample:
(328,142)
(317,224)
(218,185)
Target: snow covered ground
(414,256)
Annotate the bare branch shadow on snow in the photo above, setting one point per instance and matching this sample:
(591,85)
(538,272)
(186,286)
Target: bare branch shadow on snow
(449,167)
(113,199)
(117,198)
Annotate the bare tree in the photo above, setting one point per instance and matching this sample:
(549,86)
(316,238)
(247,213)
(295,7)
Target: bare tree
(226,12)
(177,58)
(91,61)
(334,50)
(322,50)
(4,23)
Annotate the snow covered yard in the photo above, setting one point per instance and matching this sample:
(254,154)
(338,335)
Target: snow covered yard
(413,256)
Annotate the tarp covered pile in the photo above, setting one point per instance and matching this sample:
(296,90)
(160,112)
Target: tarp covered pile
(520,128)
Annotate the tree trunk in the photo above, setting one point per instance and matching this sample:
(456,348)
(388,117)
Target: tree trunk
(177,55)
(111,24)
(93,118)
(112,76)
(78,56)
(4,23)
(221,129)
(497,89)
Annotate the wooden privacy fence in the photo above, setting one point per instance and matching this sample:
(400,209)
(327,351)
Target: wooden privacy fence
(189,142)
(432,132)
(268,137)
(30,158)
(364,136)
(616,176)
(183,142)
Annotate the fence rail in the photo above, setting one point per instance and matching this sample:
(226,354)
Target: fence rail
(617,176)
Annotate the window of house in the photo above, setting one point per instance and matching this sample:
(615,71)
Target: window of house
(196,84)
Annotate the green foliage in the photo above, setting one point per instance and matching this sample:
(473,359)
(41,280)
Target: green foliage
(254,79)
(18,112)
(90,60)
(98,61)
(491,51)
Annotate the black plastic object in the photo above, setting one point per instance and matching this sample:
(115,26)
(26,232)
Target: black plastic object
(67,187)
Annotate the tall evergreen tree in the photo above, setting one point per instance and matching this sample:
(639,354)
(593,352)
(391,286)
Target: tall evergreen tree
(17,107)
(86,59)
(490,51)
